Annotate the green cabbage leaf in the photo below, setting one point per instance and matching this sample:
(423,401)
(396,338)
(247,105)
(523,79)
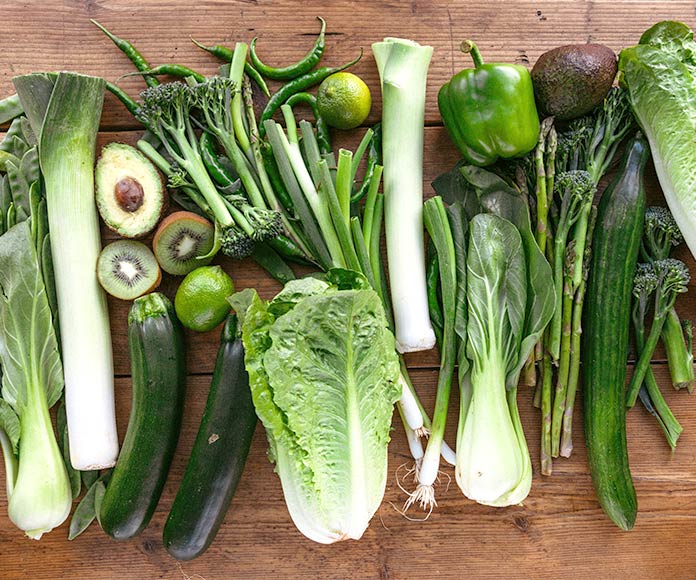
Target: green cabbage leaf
(660,76)
(323,373)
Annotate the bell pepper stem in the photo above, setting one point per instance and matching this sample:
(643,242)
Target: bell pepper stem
(469,47)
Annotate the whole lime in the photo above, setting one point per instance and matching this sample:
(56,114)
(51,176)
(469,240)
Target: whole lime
(344,100)
(201,299)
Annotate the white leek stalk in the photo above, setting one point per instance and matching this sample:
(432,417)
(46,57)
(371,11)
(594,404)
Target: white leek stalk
(403,68)
(67,136)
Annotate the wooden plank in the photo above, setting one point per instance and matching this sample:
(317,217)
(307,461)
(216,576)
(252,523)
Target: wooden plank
(559,528)
(61,37)
(560,531)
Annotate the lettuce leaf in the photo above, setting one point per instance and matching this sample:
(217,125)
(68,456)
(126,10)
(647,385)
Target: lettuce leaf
(323,374)
(660,76)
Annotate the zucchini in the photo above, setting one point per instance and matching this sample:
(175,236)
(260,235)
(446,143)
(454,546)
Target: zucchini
(158,369)
(218,455)
(606,325)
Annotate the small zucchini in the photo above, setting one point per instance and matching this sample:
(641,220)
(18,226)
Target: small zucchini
(158,369)
(606,325)
(218,455)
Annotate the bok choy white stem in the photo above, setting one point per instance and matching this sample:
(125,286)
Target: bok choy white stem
(403,68)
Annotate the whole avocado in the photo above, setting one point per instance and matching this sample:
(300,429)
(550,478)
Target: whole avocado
(570,81)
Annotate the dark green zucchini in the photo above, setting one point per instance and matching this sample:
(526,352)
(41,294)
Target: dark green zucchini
(158,369)
(218,455)
(606,323)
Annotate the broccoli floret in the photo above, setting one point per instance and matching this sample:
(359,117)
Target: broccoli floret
(660,234)
(644,280)
(235,243)
(266,223)
(671,278)
(167,109)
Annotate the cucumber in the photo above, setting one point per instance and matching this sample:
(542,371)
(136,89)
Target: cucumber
(158,369)
(606,323)
(218,455)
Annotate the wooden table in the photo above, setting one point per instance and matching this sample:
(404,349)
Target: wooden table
(559,531)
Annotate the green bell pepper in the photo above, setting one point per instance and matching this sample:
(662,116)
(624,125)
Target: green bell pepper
(489,110)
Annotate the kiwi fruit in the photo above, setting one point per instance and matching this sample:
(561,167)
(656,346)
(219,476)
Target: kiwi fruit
(180,241)
(129,191)
(127,269)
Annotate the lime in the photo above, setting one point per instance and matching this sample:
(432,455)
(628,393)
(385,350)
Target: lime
(201,300)
(344,100)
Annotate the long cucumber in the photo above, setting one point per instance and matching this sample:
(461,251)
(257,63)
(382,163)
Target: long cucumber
(606,325)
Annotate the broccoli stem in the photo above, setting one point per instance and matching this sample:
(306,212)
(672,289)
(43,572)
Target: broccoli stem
(236,73)
(656,404)
(679,358)
(566,447)
(643,363)
(189,158)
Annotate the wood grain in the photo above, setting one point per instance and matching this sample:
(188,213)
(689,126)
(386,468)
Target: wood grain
(559,531)
(559,528)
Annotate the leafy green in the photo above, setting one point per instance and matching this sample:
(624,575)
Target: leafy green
(660,76)
(493,464)
(30,353)
(323,375)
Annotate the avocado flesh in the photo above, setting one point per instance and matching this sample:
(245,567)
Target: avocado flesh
(130,192)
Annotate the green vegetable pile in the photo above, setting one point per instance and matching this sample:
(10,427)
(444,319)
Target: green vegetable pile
(532,272)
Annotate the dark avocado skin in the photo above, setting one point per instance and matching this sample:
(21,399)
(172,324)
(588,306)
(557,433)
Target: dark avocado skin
(570,81)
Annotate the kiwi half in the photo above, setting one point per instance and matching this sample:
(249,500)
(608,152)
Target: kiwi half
(130,191)
(180,240)
(127,269)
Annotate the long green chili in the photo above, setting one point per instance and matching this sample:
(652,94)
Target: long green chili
(301,67)
(298,85)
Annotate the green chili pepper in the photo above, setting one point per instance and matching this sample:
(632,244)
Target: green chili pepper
(297,86)
(374,158)
(323,134)
(489,110)
(221,174)
(295,70)
(225,53)
(175,70)
(266,257)
(124,97)
(131,52)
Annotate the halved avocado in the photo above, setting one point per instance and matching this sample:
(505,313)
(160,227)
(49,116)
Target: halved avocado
(130,192)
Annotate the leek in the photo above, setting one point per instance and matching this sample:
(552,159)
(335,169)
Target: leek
(64,111)
(403,67)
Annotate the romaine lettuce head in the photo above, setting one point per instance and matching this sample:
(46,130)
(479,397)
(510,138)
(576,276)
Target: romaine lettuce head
(323,373)
(660,76)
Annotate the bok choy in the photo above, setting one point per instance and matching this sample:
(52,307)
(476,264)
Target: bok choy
(64,111)
(38,488)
